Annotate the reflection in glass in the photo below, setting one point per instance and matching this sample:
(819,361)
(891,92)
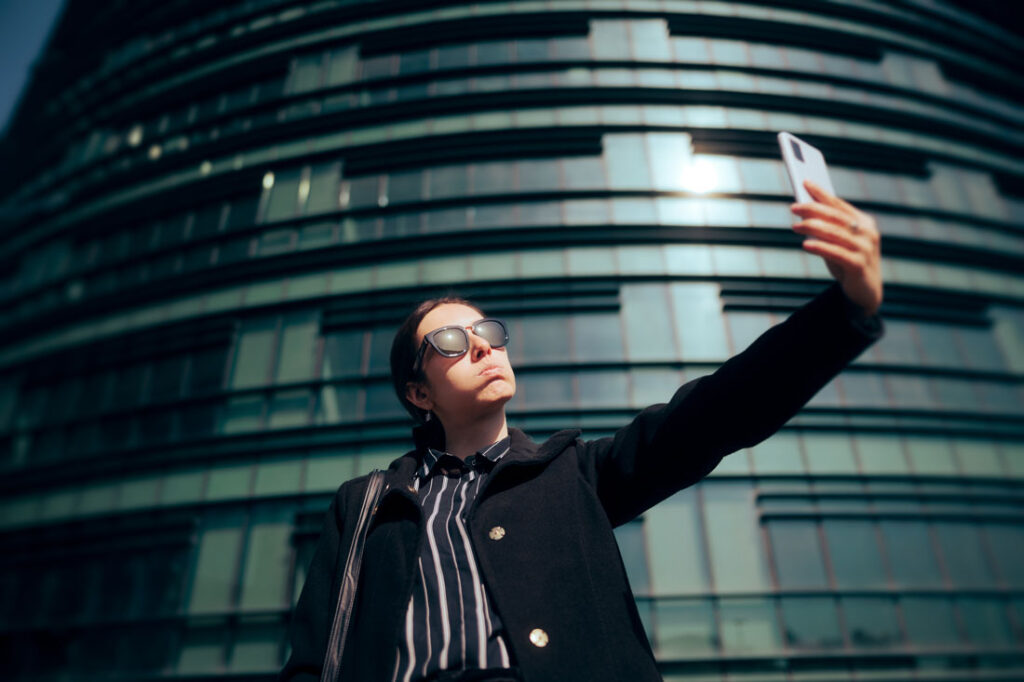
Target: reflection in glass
(684,628)
(930,621)
(678,564)
(853,548)
(911,556)
(811,623)
(871,622)
(797,553)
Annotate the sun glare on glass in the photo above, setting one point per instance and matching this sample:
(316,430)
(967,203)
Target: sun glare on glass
(699,176)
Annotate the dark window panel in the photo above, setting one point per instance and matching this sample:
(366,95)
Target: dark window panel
(856,557)
(684,628)
(242,212)
(547,390)
(207,369)
(811,623)
(871,622)
(964,554)
(798,555)
(597,337)
(986,621)
(166,378)
(911,555)
(930,622)
(634,555)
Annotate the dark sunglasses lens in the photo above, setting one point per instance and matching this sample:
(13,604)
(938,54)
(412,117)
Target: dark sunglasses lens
(451,341)
(493,332)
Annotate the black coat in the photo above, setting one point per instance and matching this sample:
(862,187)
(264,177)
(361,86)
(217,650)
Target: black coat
(558,567)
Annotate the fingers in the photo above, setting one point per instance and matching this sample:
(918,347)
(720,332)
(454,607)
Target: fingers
(833,253)
(828,198)
(830,232)
(831,208)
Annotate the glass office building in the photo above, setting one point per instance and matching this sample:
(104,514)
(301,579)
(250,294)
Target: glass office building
(214,214)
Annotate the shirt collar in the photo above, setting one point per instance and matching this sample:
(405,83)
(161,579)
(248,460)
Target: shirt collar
(483,460)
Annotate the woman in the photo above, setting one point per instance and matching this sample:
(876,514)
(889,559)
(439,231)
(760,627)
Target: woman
(492,557)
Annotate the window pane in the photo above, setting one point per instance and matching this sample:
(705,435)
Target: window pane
(630,538)
(284,195)
(853,548)
(880,454)
(797,552)
(677,551)
(965,557)
(597,337)
(298,346)
(207,372)
(267,560)
(871,622)
(737,561)
(343,354)
(930,622)
(911,557)
(257,648)
(699,321)
(214,576)
(811,623)
(289,409)
(986,621)
(1007,543)
(603,389)
(684,628)
(779,454)
(749,626)
(547,390)
(649,330)
(627,161)
(830,453)
(252,361)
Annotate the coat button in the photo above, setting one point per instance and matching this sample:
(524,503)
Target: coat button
(496,533)
(538,638)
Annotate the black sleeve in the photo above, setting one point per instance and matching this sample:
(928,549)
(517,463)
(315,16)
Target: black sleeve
(311,621)
(670,446)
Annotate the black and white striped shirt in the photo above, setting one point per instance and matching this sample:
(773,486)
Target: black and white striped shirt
(450,624)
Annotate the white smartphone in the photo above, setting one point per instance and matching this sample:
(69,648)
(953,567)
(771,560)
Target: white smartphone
(804,162)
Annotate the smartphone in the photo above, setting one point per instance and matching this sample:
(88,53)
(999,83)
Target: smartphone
(804,162)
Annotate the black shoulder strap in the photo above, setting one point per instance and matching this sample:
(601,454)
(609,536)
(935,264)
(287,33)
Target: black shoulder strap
(350,579)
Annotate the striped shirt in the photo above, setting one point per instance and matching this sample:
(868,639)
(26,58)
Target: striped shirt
(450,624)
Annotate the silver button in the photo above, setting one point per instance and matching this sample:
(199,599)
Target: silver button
(538,638)
(496,533)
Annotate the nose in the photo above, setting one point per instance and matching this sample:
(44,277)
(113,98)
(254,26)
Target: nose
(478,346)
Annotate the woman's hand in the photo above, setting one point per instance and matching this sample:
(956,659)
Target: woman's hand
(848,240)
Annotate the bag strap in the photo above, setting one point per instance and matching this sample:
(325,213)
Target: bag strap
(350,579)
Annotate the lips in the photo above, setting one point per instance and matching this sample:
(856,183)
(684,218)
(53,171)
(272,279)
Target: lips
(490,370)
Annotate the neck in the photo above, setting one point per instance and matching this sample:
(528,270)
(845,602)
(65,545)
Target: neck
(468,438)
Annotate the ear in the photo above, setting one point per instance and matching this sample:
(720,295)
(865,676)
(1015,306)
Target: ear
(417,394)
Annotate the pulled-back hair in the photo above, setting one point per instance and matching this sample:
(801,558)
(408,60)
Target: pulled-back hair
(404,349)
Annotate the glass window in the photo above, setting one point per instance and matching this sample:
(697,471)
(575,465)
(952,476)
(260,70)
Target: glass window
(257,647)
(699,321)
(737,559)
(323,188)
(207,370)
(830,453)
(871,622)
(343,354)
(856,557)
(493,178)
(597,337)
(1007,544)
(298,348)
(811,623)
(911,555)
(584,173)
(677,558)
(255,346)
(649,330)
(964,554)
(864,389)
(630,538)
(978,457)
(627,161)
(938,344)
(214,575)
(749,626)
(684,628)
(284,195)
(931,456)
(986,621)
(538,176)
(880,454)
(182,487)
(337,405)
(452,56)
(547,390)
(267,559)
(166,379)
(745,327)
(202,650)
(128,386)
(448,181)
(603,389)
(930,622)
(289,409)
(228,481)
(241,414)
(381,401)
(909,391)
(652,386)
(798,554)
(779,454)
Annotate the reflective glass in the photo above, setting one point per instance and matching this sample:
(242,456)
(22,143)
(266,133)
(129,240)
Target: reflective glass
(854,550)
(284,195)
(650,334)
(603,389)
(597,337)
(735,544)
(699,321)
(547,390)
(1007,544)
(829,453)
(252,357)
(811,623)
(964,554)
(630,538)
(684,628)
(257,647)
(779,454)
(749,626)
(538,176)
(871,622)
(911,554)
(267,559)
(298,348)
(214,575)
(202,650)
(628,167)
(798,554)
(930,621)
(677,556)
(986,621)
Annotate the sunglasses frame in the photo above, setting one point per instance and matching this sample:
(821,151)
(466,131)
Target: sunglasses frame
(428,338)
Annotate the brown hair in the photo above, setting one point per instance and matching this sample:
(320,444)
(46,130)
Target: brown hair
(404,349)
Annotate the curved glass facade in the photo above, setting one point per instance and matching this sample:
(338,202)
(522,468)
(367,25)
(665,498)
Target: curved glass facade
(214,216)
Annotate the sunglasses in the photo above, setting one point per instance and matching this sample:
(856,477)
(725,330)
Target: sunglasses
(453,341)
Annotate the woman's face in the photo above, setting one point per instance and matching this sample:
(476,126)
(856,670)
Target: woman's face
(474,384)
